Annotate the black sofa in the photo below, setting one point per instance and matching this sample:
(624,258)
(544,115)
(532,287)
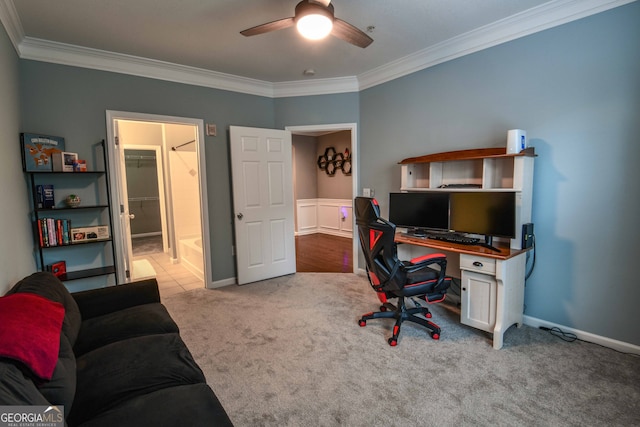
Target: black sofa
(111,356)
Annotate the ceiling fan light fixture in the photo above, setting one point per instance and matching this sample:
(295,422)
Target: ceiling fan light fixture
(314,26)
(313,20)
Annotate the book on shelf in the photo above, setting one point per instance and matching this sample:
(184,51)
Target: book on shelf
(44,196)
(53,232)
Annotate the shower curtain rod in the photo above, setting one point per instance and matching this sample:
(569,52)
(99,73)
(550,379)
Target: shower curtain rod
(182,145)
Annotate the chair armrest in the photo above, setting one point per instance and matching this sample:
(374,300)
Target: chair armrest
(428,261)
(98,302)
(432,258)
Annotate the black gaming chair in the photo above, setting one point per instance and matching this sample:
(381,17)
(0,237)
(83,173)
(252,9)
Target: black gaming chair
(422,277)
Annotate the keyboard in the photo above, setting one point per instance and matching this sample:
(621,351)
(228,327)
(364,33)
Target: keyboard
(454,238)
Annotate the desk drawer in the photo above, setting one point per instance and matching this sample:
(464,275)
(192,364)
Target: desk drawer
(478,263)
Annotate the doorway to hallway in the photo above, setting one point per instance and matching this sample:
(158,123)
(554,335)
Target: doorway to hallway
(324,195)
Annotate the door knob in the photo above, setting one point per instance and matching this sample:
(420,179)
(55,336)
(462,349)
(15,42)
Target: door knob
(132,216)
(240,216)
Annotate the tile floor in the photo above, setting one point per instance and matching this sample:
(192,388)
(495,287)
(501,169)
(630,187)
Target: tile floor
(172,278)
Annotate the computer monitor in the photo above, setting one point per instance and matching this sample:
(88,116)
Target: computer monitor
(492,214)
(419,211)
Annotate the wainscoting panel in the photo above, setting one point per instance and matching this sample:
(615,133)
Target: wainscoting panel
(328,216)
(307,215)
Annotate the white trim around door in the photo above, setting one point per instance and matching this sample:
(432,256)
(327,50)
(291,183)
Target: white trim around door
(114,173)
(353,127)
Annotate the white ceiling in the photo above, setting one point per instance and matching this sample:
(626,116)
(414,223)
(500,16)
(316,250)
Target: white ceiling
(198,41)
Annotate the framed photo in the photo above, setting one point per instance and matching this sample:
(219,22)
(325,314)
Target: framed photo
(37,150)
(63,161)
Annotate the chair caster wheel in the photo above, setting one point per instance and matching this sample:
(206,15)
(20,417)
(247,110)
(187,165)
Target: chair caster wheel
(435,336)
(362,323)
(393,342)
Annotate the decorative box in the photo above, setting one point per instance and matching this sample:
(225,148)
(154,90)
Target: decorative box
(85,234)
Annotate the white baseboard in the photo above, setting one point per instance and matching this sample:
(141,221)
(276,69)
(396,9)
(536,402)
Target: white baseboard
(151,234)
(585,336)
(222,283)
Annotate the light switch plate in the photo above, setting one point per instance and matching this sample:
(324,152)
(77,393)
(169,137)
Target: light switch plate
(211,130)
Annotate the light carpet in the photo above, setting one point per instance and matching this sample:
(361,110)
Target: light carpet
(289,352)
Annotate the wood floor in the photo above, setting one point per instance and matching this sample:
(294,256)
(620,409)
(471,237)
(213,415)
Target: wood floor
(323,253)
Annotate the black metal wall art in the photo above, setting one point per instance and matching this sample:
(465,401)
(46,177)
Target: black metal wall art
(331,161)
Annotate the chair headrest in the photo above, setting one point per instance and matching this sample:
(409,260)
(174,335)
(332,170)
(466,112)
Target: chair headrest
(367,210)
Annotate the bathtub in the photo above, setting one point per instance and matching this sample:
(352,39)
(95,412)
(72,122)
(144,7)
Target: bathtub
(191,255)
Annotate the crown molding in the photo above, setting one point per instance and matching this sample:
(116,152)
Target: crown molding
(316,87)
(11,22)
(66,54)
(545,16)
(530,21)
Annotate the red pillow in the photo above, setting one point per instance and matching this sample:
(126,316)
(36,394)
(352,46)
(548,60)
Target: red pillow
(30,327)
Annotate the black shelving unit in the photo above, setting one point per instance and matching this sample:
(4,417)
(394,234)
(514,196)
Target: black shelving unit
(94,177)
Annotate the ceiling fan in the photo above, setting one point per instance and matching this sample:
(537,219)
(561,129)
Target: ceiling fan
(317,18)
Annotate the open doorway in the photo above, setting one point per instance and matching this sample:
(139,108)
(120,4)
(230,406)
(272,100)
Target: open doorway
(144,177)
(325,171)
(160,199)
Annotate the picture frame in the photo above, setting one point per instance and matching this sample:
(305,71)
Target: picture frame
(64,161)
(37,150)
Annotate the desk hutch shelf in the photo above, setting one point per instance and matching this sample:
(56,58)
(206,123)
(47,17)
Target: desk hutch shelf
(482,169)
(492,284)
(473,170)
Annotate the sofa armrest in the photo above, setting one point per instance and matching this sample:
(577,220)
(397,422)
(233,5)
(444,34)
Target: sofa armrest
(98,302)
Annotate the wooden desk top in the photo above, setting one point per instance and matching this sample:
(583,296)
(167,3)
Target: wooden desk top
(505,252)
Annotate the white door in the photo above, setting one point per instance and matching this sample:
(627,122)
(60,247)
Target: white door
(262,173)
(125,216)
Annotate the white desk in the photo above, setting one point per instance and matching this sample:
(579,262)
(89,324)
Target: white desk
(492,283)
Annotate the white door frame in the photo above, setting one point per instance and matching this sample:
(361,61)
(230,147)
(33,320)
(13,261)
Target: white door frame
(160,173)
(114,154)
(355,181)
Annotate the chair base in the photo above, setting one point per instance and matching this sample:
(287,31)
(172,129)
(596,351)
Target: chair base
(402,313)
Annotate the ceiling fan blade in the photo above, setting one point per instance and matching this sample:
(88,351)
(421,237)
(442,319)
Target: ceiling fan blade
(280,24)
(347,32)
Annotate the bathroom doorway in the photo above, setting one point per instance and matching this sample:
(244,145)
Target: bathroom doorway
(144,177)
(161,199)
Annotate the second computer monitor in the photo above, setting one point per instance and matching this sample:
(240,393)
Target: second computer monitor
(485,212)
(420,211)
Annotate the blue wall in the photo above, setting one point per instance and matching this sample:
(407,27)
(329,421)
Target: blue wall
(576,90)
(16,246)
(69,101)
(317,110)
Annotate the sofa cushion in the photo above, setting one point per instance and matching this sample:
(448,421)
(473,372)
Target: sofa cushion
(16,388)
(47,285)
(123,370)
(131,322)
(187,405)
(30,332)
(61,389)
